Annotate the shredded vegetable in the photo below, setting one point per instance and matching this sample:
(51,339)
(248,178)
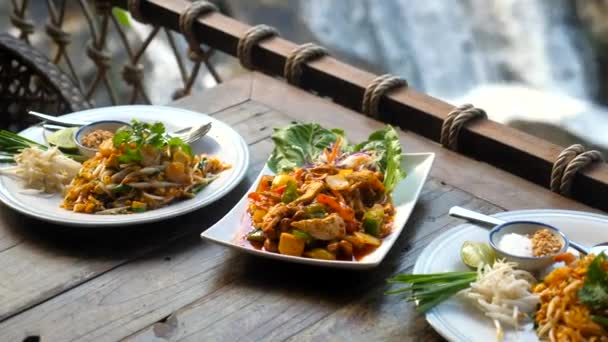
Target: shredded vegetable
(43,170)
(503,294)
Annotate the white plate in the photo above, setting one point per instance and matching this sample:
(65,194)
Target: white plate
(229,230)
(221,141)
(455,319)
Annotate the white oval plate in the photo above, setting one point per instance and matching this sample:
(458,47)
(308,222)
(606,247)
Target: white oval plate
(229,231)
(457,320)
(221,141)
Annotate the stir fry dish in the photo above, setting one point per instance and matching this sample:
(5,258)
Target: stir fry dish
(137,169)
(329,200)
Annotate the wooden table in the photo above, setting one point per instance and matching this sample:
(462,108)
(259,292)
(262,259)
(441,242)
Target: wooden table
(162,282)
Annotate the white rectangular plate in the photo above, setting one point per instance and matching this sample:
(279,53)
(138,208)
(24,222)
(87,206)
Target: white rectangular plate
(229,231)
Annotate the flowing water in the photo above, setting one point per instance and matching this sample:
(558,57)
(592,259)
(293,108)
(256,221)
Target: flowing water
(519,59)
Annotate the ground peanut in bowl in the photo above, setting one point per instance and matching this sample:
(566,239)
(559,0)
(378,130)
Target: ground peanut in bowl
(96,137)
(545,243)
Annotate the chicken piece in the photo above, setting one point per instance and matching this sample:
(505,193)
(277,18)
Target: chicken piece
(367,178)
(331,227)
(274,216)
(312,189)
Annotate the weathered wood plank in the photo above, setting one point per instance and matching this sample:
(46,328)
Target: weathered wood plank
(39,260)
(232,295)
(496,186)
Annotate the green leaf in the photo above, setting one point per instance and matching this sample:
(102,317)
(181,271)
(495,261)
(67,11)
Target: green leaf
(594,292)
(299,144)
(385,145)
(122,16)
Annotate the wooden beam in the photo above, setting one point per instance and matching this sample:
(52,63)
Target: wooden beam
(485,140)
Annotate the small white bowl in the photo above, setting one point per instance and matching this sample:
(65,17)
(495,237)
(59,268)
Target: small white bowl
(531,264)
(106,125)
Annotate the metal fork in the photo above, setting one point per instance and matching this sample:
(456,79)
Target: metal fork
(193,134)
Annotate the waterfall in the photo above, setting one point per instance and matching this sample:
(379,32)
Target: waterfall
(521,60)
(447,48)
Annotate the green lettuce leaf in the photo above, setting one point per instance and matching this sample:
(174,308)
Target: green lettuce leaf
(385,145)
(299,144)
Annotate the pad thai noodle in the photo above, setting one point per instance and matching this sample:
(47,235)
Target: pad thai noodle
(337,206)
(140,168)
(563,314)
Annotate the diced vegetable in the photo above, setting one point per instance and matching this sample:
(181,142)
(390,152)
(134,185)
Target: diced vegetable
(258,215)
(337,182)
(345,172)
(302,235)
(320,253)
(265,183)
(138,207)
(315,211)
(367,239)
(372,220)
(355,241)
(256,236)
(281,180)
(291,193)
(291,245)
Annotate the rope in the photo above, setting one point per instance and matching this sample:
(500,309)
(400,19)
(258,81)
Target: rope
(134,7)
(133,74)
(101,59)
(59,36)
(25,26)
(378,88)
(252,37)
(454,122)
(186,21)
(302,54)
(571,160)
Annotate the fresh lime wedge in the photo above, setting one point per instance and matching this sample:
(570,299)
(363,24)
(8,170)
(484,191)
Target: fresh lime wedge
(474,254)
(63,138)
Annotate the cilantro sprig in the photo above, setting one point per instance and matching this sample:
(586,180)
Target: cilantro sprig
(139,134)
(594,292)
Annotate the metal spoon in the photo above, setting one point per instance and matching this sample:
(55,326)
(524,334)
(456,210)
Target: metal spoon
(475,217)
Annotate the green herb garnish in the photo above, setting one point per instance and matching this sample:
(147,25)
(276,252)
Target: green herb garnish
(139,134)
(594,292)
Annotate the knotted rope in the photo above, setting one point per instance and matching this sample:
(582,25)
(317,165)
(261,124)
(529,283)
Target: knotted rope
(57,34)
(186,21)
(302,54)
(376,89)
(101,59)
(571,160)
(454,122)
(252,37)
(24,25)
